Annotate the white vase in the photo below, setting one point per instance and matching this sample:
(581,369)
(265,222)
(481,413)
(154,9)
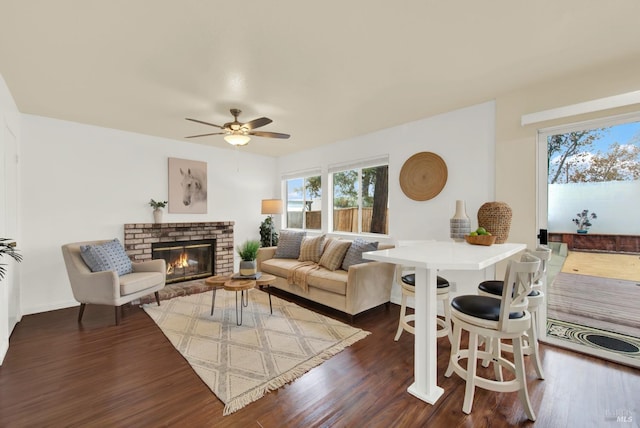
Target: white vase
(157,215)
(460,224)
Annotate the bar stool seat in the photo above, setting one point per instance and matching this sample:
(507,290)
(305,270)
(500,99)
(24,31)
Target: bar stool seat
(407,283)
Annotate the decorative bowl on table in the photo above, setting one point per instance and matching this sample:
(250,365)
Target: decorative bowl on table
(480,239)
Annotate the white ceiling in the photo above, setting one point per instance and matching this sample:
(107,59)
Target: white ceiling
(323,71)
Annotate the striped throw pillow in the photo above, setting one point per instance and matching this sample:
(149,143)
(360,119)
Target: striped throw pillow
(311,248)
(334,253)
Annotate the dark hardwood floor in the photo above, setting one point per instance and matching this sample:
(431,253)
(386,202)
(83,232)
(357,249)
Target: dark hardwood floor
(58,373)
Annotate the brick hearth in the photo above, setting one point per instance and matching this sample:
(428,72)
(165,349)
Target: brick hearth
(138,238)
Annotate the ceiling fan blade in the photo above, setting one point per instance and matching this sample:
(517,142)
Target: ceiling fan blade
(205,123)
(269,134)
(257,123)
(206,135)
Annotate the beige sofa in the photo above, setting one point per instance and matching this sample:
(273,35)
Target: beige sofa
(363,286)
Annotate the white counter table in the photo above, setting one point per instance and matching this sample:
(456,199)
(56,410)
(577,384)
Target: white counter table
(428,258)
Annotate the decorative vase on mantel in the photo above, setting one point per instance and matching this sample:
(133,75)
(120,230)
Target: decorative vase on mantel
(460,224)
(157,215)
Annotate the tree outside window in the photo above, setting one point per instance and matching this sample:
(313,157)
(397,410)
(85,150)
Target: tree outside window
(360,199)
(595,155)
(593,169)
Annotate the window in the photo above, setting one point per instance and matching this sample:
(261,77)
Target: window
(304,202)
(360,197)
(595,154)
(592,166)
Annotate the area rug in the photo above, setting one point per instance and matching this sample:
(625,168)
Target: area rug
(242,363)
(620,344)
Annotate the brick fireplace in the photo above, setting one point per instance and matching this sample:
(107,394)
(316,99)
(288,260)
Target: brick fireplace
(139,240)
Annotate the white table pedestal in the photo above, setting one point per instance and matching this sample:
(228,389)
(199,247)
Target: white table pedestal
(428,258)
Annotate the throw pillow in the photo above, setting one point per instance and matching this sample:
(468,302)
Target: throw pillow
(334,253)
(311,248)
(354,253)
(289,244)
(107,256)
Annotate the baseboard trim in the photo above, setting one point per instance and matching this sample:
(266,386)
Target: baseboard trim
(47,308)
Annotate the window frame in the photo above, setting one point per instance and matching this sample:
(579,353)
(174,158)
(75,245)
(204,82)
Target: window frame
(303,175)
(358,165)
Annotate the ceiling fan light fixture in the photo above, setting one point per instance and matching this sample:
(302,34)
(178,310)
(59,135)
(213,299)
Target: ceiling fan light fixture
(237,139)
(237,133)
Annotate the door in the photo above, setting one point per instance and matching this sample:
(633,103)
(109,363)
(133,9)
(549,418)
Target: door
(10,286)
(589,306)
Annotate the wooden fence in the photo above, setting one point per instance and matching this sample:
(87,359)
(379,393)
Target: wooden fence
(344,220)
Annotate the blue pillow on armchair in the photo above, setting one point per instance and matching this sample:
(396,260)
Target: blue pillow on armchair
(107,256)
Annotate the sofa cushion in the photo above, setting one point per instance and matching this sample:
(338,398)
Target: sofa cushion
(289,244)
(139,281)
(334,281)
(106,256)
(354,253)
(311,248)
(334,252)
(278,267)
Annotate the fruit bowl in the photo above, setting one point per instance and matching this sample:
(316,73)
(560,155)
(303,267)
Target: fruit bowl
(480,239)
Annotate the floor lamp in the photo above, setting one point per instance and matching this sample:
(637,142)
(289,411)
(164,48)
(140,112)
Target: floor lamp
(271,207)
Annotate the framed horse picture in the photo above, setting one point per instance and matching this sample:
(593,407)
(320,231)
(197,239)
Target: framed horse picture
(187,186)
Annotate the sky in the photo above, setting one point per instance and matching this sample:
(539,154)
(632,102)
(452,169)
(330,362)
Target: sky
(626,133)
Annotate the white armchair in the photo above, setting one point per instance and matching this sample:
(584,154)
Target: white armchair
(106,287)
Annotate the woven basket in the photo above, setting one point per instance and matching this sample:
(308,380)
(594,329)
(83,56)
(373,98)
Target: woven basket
(496,218)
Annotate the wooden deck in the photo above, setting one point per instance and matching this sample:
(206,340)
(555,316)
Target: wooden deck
(597,290)
(604,303)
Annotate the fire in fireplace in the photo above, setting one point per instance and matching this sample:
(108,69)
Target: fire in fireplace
(186,260)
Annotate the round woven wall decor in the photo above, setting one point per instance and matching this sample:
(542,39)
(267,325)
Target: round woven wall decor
(423,176)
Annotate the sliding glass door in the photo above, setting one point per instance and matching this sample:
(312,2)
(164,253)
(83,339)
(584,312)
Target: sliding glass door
(588,189)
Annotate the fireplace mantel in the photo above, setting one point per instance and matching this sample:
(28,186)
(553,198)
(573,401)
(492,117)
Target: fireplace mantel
(139,237)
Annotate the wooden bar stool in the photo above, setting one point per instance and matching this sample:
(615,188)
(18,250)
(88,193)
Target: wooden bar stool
(495,319)
(407,281)
(493,288)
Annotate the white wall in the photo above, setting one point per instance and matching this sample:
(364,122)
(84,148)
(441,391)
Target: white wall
(463,138)
(82,182)
(516,145)
(613,202)
(9,213)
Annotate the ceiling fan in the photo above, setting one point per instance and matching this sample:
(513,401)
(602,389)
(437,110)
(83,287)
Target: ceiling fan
(237,133)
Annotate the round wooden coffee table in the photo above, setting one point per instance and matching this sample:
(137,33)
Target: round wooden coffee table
(266,280)
(216,282)
(228,282)
(241,285)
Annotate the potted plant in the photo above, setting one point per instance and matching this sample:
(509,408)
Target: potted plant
(583,220)
(268,235)
(157,209)
(7,246)
(248,252)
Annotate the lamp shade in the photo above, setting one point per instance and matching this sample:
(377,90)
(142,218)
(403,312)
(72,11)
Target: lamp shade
(271,206)
(237,139)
